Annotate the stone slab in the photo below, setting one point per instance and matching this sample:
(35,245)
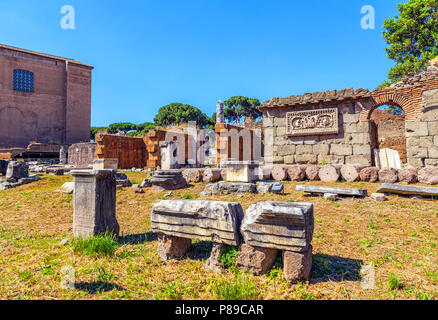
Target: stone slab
(214,221)
(408,190)
(387,158)
(339,191)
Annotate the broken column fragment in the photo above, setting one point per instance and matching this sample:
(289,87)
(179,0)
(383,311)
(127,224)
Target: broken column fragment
(214,221)
(277,226)
(94,203)
(168,180)
(16,170)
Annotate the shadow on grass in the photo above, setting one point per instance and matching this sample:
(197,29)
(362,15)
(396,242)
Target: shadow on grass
(333,268)
(138,238)
(97,287)
(200,250)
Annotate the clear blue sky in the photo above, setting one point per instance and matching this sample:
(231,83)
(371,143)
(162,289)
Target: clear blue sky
(147,54)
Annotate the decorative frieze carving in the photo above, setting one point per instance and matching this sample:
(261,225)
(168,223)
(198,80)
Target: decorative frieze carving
(312,122)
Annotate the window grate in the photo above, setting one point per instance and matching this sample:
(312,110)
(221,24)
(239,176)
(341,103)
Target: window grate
(23,80)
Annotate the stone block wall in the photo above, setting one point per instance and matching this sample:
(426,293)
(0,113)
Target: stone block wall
(81,155)
(352,145)
(422,140)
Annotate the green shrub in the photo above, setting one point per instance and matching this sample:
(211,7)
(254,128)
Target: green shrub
(228,257)
(104,245)
(239,288)
(394,282)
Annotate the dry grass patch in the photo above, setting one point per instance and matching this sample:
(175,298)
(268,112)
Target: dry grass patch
(397,237)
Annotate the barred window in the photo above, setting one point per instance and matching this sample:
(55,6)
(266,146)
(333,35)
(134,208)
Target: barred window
(23,80)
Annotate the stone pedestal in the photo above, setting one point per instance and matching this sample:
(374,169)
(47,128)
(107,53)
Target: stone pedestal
(241,171)
(105,164)
(16,170)
(170,247)
(168,180)
(256,260)
(214,261)
(297,265)
(169,155)
(94,203)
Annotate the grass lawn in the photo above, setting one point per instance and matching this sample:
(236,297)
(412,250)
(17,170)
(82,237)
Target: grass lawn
(397,237)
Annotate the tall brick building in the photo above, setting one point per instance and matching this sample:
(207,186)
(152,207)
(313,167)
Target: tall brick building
(43,98)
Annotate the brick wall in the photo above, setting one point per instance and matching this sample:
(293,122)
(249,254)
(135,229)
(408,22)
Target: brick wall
(58,111)
(130,151)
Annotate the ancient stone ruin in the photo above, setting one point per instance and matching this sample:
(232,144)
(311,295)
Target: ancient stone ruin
(94,203)
(269,227)
(179,221)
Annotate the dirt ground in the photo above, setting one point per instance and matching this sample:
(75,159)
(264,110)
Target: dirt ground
(397,237)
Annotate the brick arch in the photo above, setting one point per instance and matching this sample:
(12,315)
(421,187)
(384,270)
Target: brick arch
(393,99)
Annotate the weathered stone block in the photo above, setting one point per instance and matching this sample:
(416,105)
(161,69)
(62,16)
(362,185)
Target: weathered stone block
(416,129)
(279,225)
(370,174)
(16,170)
(431,162)
(388,175)
(417,152)
(214,221)
(102,164)
(268,122)
(363,126)
(362,150)
(303,149)
(171,247)
(416,162)
(94,203)
(432,128)
(341,149)
(289,159)
(430,114)
(281,131)
(351,118)
(428,176)
(430,98)
(214,262)
(255,260)
(419,142)
(279,122)
(329,173)
(351,127)
(361,160)
(312,173)
(360,138)
(306,159)
(286,150)
(432,152)
(321,149)
(331,159)
(408,175)
(168,180)
(297,265)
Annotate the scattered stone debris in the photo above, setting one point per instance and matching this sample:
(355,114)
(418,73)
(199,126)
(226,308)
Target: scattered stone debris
(265,187)
(338,191)
(122,180)
(224,188)
(146,183)
(67,187)
(64,241)
(379,197)
(331,196)
(168,180)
